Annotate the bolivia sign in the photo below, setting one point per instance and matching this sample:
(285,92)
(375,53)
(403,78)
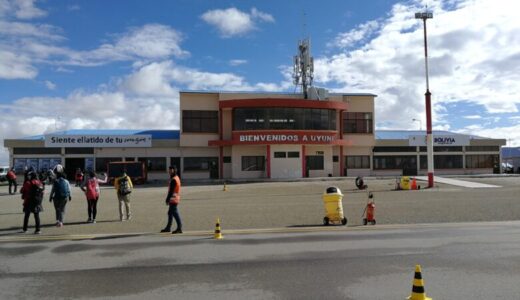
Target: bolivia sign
(439,140)
(98,141)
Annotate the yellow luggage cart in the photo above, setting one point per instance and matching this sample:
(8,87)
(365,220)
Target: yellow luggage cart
(332,198)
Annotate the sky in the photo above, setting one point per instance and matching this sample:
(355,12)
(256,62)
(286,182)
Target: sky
(101,64)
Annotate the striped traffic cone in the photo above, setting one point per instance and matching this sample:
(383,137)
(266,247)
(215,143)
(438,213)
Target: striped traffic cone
(218,233)
(418,286)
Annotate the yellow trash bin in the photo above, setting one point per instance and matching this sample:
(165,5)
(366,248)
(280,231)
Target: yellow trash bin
(332,198)
(405,183)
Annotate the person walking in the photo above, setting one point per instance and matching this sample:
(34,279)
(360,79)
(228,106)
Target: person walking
(91,188)
(78,176)
(32,194)
(11,178)
(124,186)
(60,193)
(172,200)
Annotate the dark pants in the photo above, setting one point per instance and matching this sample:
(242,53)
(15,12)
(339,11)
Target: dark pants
(59,206)
(36,220)
(92,209)
(12,182)
(173,212)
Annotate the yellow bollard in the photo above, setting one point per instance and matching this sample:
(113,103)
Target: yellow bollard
(418,292)
(225,187)
(218,233)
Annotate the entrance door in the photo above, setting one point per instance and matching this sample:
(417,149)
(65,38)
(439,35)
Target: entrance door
(213,169)
(71,164)
(176,162)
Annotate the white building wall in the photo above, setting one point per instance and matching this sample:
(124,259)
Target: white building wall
(236,158)
(327,160)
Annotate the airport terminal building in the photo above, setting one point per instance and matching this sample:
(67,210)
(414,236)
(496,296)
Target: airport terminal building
(233,135)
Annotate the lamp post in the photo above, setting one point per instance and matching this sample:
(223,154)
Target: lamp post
(429,139)
(420,123)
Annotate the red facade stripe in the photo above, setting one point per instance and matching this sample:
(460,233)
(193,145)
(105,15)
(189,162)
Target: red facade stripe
(282,102)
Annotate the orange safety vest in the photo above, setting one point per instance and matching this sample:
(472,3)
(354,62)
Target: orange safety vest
(176,195)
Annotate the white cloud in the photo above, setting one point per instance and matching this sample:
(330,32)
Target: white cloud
(25,9)
(473,117)
(50,85)
(13,66)
(74,7)
(360,33)
(256,14)
(21,9)
(474,51)
(233,22)
(151,41)
(237,62)
(26,45)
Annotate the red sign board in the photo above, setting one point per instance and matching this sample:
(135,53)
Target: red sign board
(292,137)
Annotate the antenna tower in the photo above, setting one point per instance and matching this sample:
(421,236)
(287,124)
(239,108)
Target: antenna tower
(303,69)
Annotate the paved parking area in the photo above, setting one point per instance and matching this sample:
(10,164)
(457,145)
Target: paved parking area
(276,205)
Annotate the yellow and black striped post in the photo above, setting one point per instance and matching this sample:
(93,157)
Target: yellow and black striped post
(218,233)
(418,292)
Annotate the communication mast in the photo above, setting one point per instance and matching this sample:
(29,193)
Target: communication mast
(303,71)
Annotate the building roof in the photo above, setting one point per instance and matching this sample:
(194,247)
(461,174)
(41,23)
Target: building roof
(156,134)
(175,134)
(404,134)
(510,152)
(270,93)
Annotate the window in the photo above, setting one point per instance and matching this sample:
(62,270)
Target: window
(253,163)
(358,162)
(79,150)
(283,118)
(36,150)
(335,158)
(293,154)
(443,162)
(443,149)
(481,161)
(482,148)
(395,149)
(280,154)
(200,121)
(315,162)
(395,162)
(199,163)
(102,163)
(154,163)
(226,159)
(357,122)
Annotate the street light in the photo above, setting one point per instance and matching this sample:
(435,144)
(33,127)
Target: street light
(420,123)
(429,140)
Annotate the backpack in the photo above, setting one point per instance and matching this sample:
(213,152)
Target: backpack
(124,186)
(11,175)
(61,189)
(36,193)
(92,189)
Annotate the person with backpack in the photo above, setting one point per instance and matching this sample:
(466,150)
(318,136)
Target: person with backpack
(172,200)
(91,188)
(124,187)
(78,176)
(32,194)
(11,178)
(60,193)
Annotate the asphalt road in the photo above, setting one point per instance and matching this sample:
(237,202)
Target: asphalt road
(459,261)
